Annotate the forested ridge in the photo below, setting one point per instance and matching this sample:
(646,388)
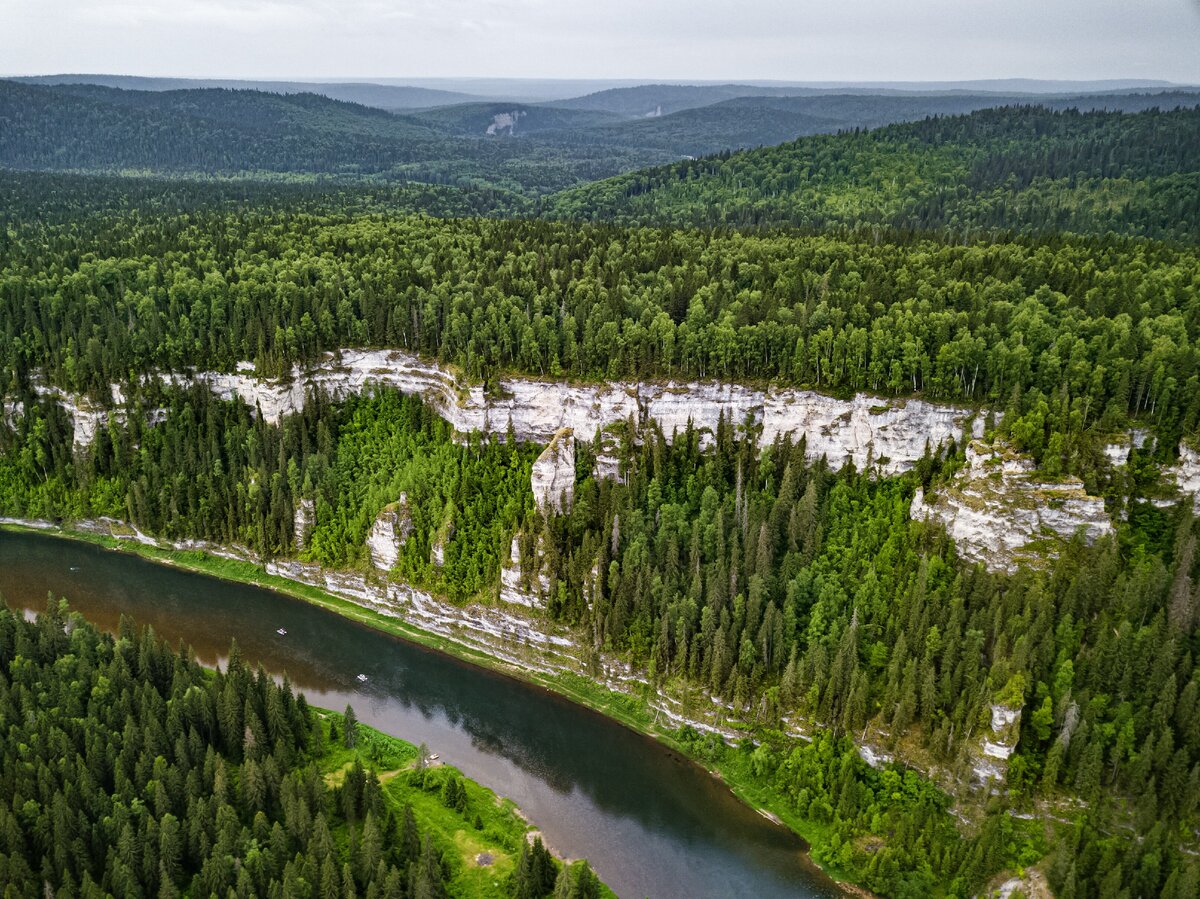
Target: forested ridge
(129,770)
(1074,337)
(1089,163)
(253,134)
(1025,169)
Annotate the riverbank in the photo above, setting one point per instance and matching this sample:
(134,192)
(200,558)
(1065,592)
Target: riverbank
(633,711)
(481,838)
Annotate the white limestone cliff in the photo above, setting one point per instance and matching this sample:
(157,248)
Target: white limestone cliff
(553,477)
(389,533)
(513,586)
(890,435)
(302,521)
(989,757)
(999,512)
(1186,475)
(608,458)
(1118,448)
(863,430)
(437,552)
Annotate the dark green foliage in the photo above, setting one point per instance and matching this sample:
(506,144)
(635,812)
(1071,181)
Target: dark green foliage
(1071,337)
(255,134)
(536,872)
(127,769)
(1018,168)
(210,470)
(788,590)
(577,882)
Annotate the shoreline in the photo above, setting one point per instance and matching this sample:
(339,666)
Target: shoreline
(254,574)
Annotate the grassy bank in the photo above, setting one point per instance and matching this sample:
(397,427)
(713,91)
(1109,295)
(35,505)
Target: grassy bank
(480,835)
(631,710)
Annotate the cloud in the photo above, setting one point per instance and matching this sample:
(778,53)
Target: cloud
(785,39)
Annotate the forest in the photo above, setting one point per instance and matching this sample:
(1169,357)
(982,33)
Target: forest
(1073,337)
(835,173)
(788,590)
(1037,265)
(1022,169)
(130,770)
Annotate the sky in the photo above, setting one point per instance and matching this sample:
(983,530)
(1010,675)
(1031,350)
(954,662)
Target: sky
(802,40)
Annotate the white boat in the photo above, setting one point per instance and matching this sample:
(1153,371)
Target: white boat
(363,678)
(434,757)
(282,632)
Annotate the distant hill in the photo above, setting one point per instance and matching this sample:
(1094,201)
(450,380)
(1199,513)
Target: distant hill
(1020,168)
(98,128)
(651,100)
(654,100)
(381,96)
(211,132)
(760,121)
(522,148)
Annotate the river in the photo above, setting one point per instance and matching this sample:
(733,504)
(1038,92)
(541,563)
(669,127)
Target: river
(651,822)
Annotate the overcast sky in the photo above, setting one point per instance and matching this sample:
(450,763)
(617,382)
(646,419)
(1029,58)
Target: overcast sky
(677,39)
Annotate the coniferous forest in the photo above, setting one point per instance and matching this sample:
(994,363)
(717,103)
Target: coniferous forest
(130,770)
(1037,266)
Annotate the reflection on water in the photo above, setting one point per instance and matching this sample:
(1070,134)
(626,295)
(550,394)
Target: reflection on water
(651,823)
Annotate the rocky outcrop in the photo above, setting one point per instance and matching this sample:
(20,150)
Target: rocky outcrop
(513,586)
(302,522)
(87,417)
(607,466)
(999,512)
(389,533)
(1118,448)
(864,430)
(1186,475)
(989,759)
(445,533)
(553,477)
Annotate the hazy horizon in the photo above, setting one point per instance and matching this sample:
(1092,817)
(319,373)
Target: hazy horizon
(859,41)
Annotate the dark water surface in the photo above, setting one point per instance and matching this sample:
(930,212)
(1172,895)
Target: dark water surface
(650,822)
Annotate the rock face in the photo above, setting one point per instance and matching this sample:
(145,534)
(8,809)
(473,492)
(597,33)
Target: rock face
(999,513)
(553,478)
(512,590)
(990,758)
(302,522)
(1186,474)
(608,459)
(1117,450)
(437,552)
(863,430)
(389,533)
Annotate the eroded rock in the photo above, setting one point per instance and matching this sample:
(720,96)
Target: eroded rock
(990,756)
(389,533)
(553,477)
(864,430)
(302,522)
(999,512)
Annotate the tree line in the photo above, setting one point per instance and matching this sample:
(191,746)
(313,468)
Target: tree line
(1075,336)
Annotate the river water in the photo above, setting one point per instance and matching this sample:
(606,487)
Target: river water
(650,822)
